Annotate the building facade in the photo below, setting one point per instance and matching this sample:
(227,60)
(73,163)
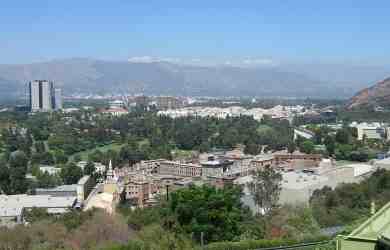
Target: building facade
(180,169)
(43,97)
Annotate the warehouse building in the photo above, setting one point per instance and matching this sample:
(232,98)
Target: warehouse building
(12,207)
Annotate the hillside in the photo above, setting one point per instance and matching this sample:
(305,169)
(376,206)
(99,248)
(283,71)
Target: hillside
(162,78)
(378,94)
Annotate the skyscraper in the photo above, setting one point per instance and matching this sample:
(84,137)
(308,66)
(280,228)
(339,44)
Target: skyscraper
(43,96)
(57,99)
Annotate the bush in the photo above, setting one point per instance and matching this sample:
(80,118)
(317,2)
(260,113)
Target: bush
(256,244)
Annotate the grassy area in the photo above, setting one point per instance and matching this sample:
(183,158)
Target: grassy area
(263,129)
(84,154)
(178,153)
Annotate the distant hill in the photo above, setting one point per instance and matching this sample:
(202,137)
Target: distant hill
(162,78)
(378,94)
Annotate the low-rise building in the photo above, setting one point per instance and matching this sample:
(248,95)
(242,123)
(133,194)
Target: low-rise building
(216,168)
(12,207)
(84,187)
(49,169)
(99,167)
(115,111)
(180,169)
(374,130)
(138,191)
(60,191)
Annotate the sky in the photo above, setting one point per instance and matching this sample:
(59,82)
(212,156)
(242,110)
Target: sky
(229,32)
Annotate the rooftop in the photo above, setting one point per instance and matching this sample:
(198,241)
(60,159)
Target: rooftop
(83,180)
(13,205)
(63,188)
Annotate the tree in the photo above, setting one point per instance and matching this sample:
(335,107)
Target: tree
(4,179)
(291,147)
(39,147)
(218,213)
(71,173)
(89,168)
(330,144)
(35,214)
(343,136)
(96,156)
(18,170)
(77,158)
(307,147)
(60,157)
(46,180)
(252,149)
(265,188)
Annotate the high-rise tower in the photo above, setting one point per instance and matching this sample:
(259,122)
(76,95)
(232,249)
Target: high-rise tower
(43,96)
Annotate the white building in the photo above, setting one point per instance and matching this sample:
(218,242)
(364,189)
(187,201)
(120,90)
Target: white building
(12,207)
(115,111)
(117,104)
(99,168)
(43,96)
(374,130)
(50,170)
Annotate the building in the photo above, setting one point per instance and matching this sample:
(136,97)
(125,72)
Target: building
(148,166)
(117,104)
(60,191)
(369,130)
(99,167)
(49,169)
(43,97)
(58,99)
(84,188)
(305,159)
(216,168)
(138,191)
(374,234)
(168,102)
(115,111)
(180,169)
(13,207)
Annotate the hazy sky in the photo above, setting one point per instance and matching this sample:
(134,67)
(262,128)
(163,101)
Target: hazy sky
(259,32)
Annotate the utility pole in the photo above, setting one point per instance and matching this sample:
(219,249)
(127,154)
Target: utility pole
(167,191)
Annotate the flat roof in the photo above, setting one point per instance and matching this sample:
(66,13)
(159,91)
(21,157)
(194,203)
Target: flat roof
(215,163)
(13,205)
(83,180)
(62,188)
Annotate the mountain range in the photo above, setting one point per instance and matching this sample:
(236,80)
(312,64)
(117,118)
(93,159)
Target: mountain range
(376,95)
(92,76)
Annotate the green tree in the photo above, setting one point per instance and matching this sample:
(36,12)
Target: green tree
(60,157)
(89,168)
(330,144)
(265,188)
(77,158)
(218,213)
(291,147)
(307,147)
(343,136)
(71,173)
(96,156)
(18,170)
(36,214)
